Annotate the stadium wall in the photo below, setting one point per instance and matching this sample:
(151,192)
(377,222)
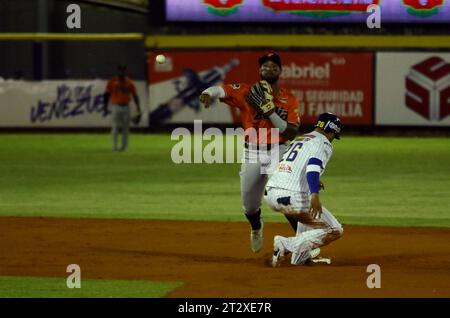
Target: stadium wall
(364,88)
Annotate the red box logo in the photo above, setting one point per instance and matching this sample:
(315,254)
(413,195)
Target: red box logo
(428,88)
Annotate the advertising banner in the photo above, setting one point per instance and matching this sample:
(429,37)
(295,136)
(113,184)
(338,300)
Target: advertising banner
(392,11)
(413,89)
(335,82)
(58,103)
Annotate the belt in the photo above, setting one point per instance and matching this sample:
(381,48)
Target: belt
(262,146)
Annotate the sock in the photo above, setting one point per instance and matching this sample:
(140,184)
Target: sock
(255,220)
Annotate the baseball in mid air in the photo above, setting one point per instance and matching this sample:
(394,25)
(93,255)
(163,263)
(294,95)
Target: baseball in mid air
(160,59)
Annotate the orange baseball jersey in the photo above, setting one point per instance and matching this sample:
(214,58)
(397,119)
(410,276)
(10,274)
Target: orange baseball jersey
(287,108)
(120,91)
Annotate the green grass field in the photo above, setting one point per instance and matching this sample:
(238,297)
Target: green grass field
(369,180)
(45,287)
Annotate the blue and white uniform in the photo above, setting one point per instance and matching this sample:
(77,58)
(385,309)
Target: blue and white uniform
(296,177)
(308,154)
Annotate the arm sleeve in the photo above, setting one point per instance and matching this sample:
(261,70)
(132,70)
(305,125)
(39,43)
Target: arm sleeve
(215,92)
(316,165)
(321,155)
(313,181)
(278,122)
(313,170)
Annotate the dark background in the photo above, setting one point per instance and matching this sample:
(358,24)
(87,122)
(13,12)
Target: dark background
(93,59)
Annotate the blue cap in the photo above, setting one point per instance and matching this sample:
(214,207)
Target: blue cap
(330,122)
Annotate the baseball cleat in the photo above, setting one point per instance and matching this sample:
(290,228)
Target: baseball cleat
(257,239)
(278,251)
(320,259)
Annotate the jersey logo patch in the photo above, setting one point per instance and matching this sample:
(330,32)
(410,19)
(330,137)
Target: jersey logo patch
(284,168)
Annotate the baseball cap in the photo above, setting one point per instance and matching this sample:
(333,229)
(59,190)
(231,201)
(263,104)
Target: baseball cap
(330,122)
(271,56)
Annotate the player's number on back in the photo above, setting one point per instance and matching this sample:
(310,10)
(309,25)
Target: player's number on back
(292,151)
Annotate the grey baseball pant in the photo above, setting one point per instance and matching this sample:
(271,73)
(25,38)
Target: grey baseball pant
(256,168)
(120,121)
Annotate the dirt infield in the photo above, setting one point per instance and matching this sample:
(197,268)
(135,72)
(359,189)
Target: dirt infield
(214,259)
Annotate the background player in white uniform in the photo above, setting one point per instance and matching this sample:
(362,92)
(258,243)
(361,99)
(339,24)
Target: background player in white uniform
(293,190)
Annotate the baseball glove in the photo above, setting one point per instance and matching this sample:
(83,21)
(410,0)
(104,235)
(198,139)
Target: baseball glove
(136,119)
(261,98)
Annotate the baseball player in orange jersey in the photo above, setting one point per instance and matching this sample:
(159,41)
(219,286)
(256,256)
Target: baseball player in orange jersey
(119,91)
(266,148)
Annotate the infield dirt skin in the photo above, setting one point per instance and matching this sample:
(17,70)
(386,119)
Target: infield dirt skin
(213,259)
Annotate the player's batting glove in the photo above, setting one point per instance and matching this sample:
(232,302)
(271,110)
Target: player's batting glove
(261,98)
